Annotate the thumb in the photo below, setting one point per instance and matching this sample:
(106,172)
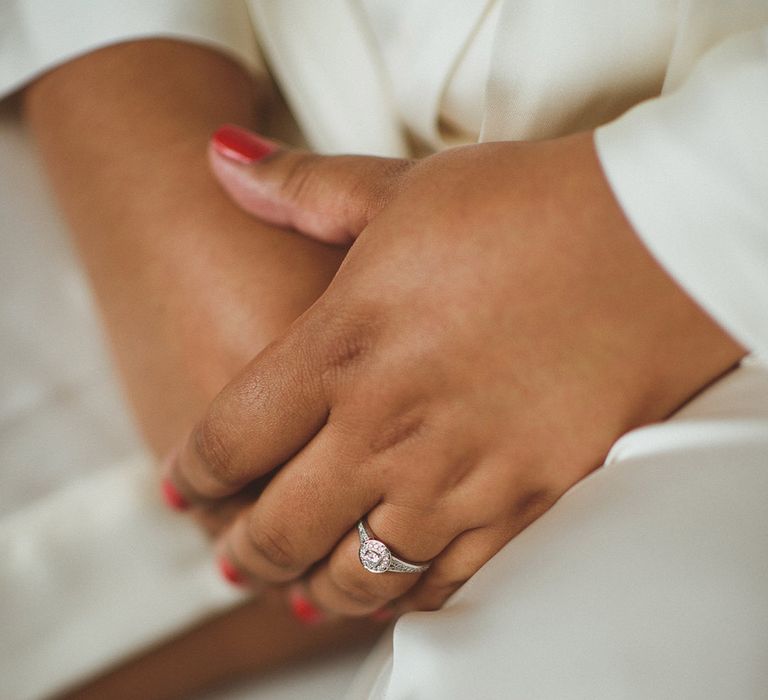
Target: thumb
(331,198)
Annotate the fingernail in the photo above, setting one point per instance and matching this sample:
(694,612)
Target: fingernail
(382,615)
(241,145)
(230,573)
(172,496)
(302,608)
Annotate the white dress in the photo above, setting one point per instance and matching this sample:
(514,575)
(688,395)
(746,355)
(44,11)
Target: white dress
(648,579)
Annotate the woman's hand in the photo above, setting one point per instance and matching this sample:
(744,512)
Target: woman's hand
(495,327)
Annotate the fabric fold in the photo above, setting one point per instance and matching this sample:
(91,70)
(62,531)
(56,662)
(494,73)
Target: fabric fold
(689,169)
(93,572)
(37,35)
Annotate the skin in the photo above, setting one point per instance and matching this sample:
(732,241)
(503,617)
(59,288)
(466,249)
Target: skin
(189,288)
(495,327)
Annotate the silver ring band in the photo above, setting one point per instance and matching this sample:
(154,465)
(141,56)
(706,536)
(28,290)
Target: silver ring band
(377,558)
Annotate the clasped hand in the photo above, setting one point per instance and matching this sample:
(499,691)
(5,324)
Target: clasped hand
(495,326)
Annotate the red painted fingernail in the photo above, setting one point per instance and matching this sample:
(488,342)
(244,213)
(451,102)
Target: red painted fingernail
(303,610)
(382,615)
(230,573)
(172,496)
(239,144)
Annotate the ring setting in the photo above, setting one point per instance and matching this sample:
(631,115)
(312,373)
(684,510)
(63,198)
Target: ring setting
(377,558)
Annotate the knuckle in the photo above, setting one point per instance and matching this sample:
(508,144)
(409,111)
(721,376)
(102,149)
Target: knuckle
(399,430)
(532,502)
(338,334)
(344,349)
(213,450)
(373,193)
(275,548)
(371,197)
(298,177)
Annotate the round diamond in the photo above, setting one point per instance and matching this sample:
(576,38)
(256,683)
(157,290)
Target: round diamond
(375,556)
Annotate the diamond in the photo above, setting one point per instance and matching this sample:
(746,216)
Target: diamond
(375,556)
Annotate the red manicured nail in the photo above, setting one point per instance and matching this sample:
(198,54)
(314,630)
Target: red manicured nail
(172,496)
(382,615)
(230,573)
(303,610)
(239,144)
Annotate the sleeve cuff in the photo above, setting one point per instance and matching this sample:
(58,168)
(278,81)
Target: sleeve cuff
(37,35)
(689,170)
(94,573)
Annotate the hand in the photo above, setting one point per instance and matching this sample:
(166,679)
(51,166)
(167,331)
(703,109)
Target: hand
(495,327)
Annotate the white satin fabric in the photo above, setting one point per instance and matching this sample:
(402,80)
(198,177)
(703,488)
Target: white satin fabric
(647,579)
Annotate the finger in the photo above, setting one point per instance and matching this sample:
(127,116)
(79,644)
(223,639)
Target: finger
(342,585)
(331,198)
(306,509)
(461,560)
(257,422)
(474,548)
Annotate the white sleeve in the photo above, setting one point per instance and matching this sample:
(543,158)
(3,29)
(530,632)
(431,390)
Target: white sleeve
(690,170)
(36,35)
